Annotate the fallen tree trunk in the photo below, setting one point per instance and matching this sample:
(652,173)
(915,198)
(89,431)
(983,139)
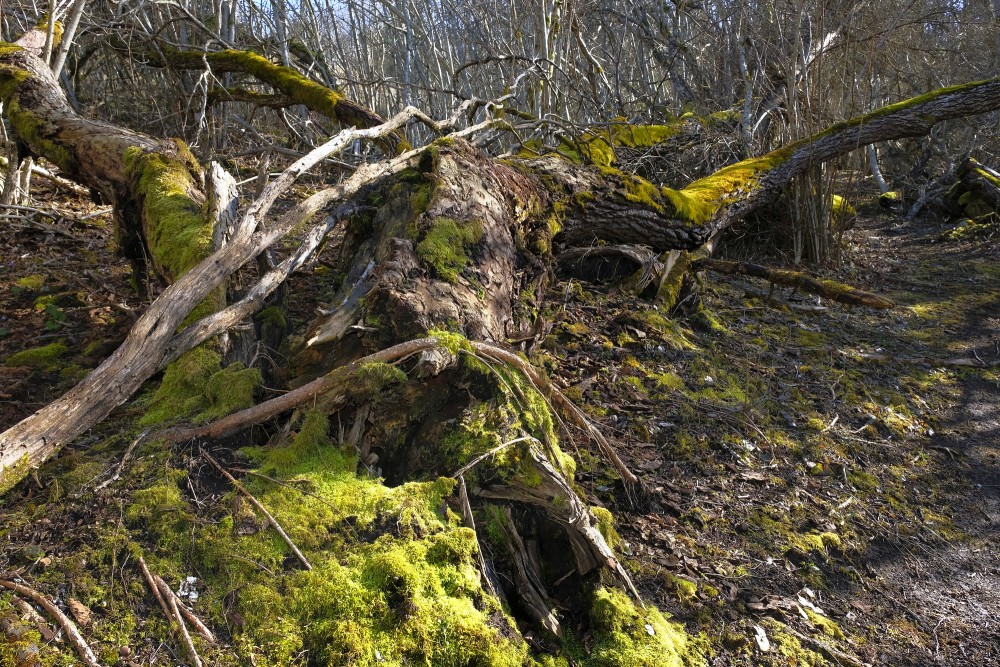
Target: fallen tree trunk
(444,244)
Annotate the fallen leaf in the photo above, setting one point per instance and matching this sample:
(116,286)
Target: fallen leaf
(80,611)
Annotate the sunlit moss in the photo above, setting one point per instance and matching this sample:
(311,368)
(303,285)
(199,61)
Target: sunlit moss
(45,357)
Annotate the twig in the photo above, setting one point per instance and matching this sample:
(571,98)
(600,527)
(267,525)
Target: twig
(325,385)
(199,626)
(69,627)
(175,618)
(121,464)
(263,510)
(152,585)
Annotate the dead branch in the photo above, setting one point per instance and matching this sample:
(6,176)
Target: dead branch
(199,626)
(65,622)
(333,381)
(177,621)
(828,289)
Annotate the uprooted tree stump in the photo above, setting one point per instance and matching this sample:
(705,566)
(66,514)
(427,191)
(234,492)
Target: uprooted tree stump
(419,463)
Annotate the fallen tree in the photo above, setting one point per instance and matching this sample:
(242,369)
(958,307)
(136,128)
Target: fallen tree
(445,259)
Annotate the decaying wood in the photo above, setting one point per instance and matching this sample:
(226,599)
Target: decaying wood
(528,578)
(263,510)
(590,549)
(828,289)
(28,612)
(981,180)
(470,522)
(634,487)
(65,622)
(152,341)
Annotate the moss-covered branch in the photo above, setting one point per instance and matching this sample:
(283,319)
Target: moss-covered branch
(298,88)
(605,204)
(828,289)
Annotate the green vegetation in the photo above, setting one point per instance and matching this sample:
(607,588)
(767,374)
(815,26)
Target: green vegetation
(176,230)
(197,386)
(46,357)
(446,244)
(626,635)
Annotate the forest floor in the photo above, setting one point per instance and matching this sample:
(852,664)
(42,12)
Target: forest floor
(827,482)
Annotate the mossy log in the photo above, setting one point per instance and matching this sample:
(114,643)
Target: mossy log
(981,181)
(296,87)
(828,289)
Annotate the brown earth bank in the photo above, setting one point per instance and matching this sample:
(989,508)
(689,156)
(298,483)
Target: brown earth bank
(825,479)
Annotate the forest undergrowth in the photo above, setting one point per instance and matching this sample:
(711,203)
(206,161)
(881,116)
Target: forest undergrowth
(826,480)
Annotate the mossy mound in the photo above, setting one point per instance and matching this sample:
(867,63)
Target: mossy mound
(196,386)
(45,357)
(627,635)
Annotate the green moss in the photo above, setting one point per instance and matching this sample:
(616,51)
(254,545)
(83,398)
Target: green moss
(395,580)
(685,589)
(372,380)
(669,380)
(814,542)
(175,228)
(790,648)
(37,133)
(11,76)
(445,246)
(625,635)
(45,357)
(825,625)
(298,87)
(32,283)
(841,208)
(11,475)
(890,199)
(229,390)
(196,384)
(161,511)
(273,317)
(451,341)
(606,524)
(21,642)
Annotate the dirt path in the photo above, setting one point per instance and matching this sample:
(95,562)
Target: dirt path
(951,589)
(827,481)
